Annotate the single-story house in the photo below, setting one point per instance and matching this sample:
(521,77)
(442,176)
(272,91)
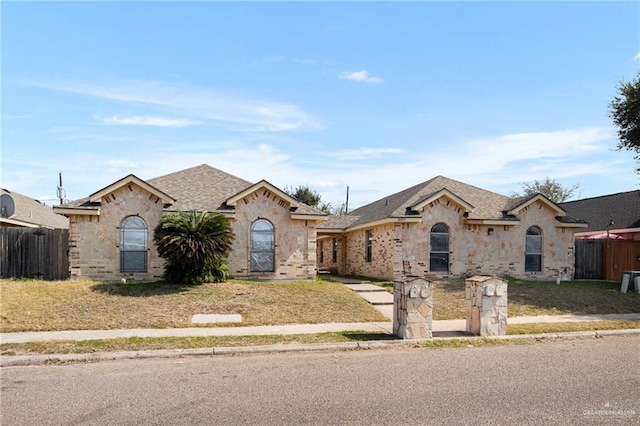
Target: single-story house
(111,230)
(613,216)
(446,228)
(17,210)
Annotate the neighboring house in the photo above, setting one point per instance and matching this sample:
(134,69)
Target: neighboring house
(614,216)
(446,228)
(111,231)
(17,210)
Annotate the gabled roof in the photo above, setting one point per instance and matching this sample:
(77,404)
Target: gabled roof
(476,204)
(202,188)
(91,205)
(96,197)
(231,201)
(32,213)
(299,210)
(518,204)
(623,209)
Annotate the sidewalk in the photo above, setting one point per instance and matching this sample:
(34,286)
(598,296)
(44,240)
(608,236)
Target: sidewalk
(449,328)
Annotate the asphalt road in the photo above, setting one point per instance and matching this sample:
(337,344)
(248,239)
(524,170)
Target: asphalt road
(590,381)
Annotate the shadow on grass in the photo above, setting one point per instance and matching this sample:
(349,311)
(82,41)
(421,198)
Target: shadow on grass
(363,337)
(141,289)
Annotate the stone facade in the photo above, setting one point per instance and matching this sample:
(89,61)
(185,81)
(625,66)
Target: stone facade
(486,300)
(474,249)
(95,236)
(94,240)
(413,308)
(295,251)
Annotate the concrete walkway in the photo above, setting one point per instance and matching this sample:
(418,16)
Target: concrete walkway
(450,328)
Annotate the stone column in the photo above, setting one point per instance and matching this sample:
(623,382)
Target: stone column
(486,305)
(412,308)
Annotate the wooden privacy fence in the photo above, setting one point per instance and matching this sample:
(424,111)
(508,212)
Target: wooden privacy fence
(34,253)
(606,259)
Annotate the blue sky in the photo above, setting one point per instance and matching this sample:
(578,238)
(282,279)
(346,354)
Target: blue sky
(377,96)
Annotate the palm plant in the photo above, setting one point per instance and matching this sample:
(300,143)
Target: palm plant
(194,246)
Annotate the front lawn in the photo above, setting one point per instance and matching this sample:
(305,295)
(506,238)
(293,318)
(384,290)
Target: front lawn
(34,305)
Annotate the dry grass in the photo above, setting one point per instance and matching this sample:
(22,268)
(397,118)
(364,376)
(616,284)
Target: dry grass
(157,343)
(531,298)
(33,305)
(561,327)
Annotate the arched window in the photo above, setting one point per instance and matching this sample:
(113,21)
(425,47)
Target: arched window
(262,246)
(533,250)
(439,255)
(133,245)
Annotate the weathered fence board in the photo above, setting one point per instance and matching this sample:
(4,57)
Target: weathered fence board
(620,255)
(589,259)
(34,253)
(606,259)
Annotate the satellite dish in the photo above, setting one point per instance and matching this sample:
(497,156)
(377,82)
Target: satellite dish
(7,205)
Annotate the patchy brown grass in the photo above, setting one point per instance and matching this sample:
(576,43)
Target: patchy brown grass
(33,305)
(157,343)
(531,298)
(560,327)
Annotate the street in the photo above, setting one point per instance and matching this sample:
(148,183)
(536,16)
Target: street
(589,381)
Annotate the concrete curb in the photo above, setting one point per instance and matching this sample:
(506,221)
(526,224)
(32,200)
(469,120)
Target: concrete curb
(27,360)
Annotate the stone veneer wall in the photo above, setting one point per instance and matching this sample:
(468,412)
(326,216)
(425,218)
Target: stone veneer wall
(472,250)
(486,301)
(413,308)
(94,240)
(295,253)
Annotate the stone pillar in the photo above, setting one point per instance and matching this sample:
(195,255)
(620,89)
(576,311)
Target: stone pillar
(486,305)
(412,308)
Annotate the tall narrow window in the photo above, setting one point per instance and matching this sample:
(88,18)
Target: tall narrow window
(321,251)
(262,246)
(334,250)
(133,245)
(533,250)
(369,241)
(439,255)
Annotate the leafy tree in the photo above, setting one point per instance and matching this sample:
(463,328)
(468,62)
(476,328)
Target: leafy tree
(625,112)
(550,188)
(195,246)
(312,198)
(304,194)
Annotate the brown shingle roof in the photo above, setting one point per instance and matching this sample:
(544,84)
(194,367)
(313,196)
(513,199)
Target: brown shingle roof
(486,204)
(622,208)
(202,188)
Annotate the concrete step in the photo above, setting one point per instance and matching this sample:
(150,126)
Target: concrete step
(365,287)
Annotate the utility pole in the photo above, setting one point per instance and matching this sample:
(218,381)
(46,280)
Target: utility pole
(346,205)
(61,192)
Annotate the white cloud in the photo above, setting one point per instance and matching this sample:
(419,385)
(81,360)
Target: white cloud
(364,153)
(121,164)
(499,163)
(361,76)
(637,57)
(201,105)
(147,121)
